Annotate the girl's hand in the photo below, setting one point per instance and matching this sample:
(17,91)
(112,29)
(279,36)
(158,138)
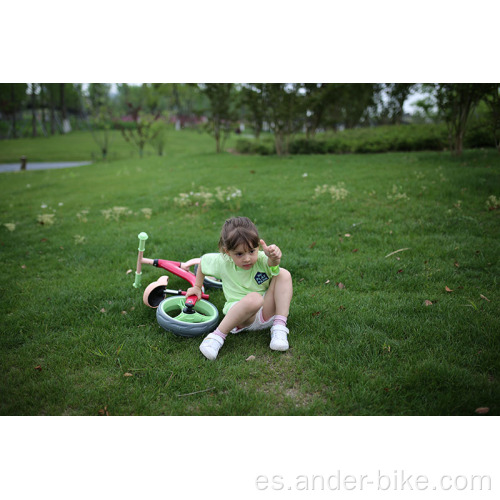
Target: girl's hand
(194,290)
(272,252)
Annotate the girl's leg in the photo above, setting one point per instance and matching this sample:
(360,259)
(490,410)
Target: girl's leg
(278,296)
(242,313)
(277,304)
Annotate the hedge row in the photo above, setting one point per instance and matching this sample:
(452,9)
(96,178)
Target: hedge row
(426,137)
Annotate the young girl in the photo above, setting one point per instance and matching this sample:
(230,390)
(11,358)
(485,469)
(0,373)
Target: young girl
(257,291)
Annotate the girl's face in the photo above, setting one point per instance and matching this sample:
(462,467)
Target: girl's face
(244,257)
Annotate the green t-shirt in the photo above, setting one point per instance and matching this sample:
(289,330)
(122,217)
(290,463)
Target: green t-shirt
(238,282)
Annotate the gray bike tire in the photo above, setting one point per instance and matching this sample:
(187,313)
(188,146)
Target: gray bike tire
(184,329)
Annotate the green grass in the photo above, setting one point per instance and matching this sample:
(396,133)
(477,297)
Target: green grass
(77,146)
(371,348)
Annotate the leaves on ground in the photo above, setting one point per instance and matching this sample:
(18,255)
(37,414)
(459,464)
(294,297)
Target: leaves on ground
(483,410)
(104,412)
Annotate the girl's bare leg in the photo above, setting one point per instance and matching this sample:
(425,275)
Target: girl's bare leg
(243,313)
(278,296)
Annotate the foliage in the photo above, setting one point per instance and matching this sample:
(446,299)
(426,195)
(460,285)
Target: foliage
(144,132)
(250,99)
(261,146)
(396,95)
(12,98)
(159,133)
(282,104)
(456,102)
(100,126)
(220,110)
(98,96)
(381,139)
(492,100)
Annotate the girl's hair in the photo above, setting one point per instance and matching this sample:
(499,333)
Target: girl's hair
(237,231)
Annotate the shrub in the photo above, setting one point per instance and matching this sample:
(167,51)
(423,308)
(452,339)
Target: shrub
(304,146)
(422,137)
(479,135)
(247,146)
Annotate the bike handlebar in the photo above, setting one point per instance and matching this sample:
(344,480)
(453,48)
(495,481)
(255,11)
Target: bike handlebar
(142,246)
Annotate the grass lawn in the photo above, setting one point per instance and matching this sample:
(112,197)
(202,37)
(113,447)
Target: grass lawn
(73,326)
(77,146)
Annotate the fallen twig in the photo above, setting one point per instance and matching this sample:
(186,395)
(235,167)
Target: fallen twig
(396,251)
(196,392)
(170,378)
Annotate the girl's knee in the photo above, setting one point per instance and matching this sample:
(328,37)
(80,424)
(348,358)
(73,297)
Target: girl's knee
(285,274)
(254,301)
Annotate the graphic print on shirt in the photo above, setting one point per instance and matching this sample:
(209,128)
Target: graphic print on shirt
(261,278)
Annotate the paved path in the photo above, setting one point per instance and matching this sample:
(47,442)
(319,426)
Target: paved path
(41,165)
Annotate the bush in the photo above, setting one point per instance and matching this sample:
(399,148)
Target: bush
(247,146)
(382,139)
(308,147)
(479,134)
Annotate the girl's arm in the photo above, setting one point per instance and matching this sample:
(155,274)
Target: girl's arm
(196,289)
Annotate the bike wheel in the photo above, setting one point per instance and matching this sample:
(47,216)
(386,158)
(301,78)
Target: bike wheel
(210,281)
(171,317)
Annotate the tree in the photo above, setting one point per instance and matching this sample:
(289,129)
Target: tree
(52,104)
(101,116)
(315,104)
(281,102)
(356,99)
(12,99)
(251,99)
(456,102)
(159,132)
(396,94)
(62,102)
(100,127)
(220,97)
(492,99)
(33,89)
(144,132)
(98,95)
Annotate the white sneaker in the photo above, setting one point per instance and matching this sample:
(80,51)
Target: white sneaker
(279,341)
(211,345)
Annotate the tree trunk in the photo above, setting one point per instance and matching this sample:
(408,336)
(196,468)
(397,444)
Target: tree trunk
(52,110)
(63,105)
(217,135)
(33,111)
(257,131)
(14,123)
(177,102)
(278,142)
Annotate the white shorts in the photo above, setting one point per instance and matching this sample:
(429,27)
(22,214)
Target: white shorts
(258,323)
